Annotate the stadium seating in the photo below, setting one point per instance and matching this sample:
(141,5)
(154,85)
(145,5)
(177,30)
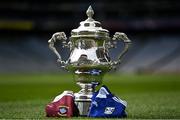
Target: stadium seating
(153,26)
(152,54)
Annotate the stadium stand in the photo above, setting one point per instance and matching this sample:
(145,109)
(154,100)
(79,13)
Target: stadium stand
(26,26)
(155,55)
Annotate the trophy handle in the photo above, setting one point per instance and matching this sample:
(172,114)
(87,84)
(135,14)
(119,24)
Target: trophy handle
(126,41)
(55,37)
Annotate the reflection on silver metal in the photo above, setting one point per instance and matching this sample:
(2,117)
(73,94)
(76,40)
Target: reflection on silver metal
(89,58)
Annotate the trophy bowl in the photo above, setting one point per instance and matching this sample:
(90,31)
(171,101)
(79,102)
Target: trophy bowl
(89,58)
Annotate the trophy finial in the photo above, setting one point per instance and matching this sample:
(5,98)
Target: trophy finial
(90,12)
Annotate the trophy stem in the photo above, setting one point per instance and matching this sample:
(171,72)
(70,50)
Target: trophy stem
(83,97)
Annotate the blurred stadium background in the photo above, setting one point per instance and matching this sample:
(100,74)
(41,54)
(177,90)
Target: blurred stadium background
(153,26)
(30,76)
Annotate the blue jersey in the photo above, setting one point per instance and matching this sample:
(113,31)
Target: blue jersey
(105,104)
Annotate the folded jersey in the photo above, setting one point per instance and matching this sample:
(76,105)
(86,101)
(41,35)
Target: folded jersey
(62,106)
(105,104)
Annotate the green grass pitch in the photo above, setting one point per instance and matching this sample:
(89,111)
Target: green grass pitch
(148,96)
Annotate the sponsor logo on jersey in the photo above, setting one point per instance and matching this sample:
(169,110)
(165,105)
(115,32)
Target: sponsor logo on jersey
(109,110)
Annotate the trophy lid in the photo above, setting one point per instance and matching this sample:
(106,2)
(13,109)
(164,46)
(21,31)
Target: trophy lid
(90,27)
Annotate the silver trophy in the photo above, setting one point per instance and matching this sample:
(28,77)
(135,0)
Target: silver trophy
(89,59)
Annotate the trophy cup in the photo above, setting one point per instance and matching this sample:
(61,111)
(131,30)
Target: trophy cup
(89,45)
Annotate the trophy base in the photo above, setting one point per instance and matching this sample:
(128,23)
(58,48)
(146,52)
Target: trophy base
(83,106)
(83,98)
